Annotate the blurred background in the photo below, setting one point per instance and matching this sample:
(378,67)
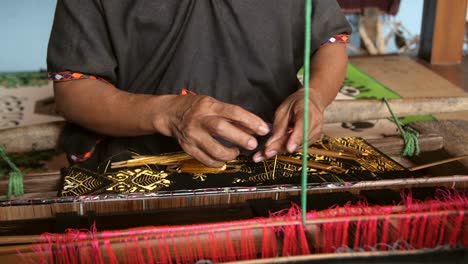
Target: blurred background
(387,60)
(26,26)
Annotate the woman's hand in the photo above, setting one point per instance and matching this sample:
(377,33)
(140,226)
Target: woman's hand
(198,121)
(328,69)
(288,126)
(195,121)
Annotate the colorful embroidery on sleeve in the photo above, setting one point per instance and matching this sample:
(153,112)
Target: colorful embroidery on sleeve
(341,38)
(71,76)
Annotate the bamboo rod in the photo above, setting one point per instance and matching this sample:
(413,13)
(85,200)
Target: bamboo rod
(394,145)
(331,257)
(333,154)
(222,197)
(181,231)
(45,136)
(12,252)
(433,164)
(412,182)
(184,158)
(358,110)
(35,183)
(32,138)
(152,160)
(311,164)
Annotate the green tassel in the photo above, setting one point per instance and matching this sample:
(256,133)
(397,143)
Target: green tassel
(15,184)
(409,135)
(15,181)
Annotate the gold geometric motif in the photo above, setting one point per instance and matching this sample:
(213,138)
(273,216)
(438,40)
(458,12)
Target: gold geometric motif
(199,177)
(80,184)
(137,180)
(370,159)
(366,164)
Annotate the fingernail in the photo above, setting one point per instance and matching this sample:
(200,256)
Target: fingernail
(252,144)
(271,153)
(257,158)
(292,148)
(263,130)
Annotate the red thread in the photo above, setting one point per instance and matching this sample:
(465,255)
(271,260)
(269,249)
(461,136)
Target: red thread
(453,239)
(415,224)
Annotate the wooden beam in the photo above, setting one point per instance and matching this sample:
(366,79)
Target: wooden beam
(442,32)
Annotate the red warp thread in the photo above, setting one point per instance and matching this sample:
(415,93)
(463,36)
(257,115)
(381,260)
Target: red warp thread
(415,224)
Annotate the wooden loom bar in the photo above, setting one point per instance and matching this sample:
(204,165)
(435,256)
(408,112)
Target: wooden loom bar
(121,205)
(368,109)
(330,257)
(396,212)
(36,183)
(394,145)
(443,30)
(14,258)
(180,233)
(433,164)
(46,136)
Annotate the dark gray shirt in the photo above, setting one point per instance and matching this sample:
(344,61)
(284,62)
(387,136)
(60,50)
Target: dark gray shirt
(244,52)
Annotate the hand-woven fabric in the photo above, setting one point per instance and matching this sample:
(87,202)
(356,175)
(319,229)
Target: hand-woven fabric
(242,172)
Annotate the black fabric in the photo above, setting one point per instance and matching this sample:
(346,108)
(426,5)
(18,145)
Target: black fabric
(245,52)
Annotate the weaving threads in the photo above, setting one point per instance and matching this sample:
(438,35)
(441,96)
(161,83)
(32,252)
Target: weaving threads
(410,136)
(15,182)
(413,225)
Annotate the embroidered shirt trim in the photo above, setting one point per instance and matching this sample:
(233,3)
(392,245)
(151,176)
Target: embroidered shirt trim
(72,76)
(341,38)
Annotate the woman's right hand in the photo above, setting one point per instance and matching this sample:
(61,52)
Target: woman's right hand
(197,121)
(194,120)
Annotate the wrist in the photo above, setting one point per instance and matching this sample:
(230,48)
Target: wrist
(319,100)
(316,98)
(161,114)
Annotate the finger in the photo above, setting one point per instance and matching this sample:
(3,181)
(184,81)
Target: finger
(215,149)
(258,157)
(201,156)
(315,133)
(220,127)
(280,125)
(276,147)
(244,118)
(243,128)
(297,136)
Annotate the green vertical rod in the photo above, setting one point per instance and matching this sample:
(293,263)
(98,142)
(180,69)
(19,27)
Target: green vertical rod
(307,38)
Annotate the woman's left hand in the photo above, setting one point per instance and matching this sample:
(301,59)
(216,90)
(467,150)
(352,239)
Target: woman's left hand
(288,125)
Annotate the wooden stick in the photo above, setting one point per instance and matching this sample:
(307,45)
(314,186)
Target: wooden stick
(433,164)
(36,183)
(45,136)
(333,154)
(122,203)
(394,145)
(409,182)
(314,165)
(331,257)
(368,43)
(31,138)
(242,225)
(153,160)
(380,38)
(182,157)
(358,110)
